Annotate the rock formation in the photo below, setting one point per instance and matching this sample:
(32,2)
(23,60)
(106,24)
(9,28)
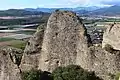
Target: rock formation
(112,36)
(35,43)
(32,50)
(64,42)
(9,68)
(104,63)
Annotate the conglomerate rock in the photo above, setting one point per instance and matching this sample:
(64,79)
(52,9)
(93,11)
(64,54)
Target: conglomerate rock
(112,36)
(104,63)
(64,42)
(9,68)
(32,51)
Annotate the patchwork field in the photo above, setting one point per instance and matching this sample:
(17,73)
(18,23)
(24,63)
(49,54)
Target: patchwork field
(15,36)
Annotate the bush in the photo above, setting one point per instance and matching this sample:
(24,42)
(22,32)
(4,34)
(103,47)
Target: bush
(117,76)
(35,75)
(73,72)
(31,75)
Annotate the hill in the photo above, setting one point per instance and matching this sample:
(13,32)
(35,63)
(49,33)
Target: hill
(19,12)
(69,9)
(107,11)
(93,10)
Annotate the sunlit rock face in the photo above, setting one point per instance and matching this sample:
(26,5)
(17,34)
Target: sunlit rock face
(112,36)
(64,41)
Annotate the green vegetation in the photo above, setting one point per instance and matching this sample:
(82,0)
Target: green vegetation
(24,21)
(71,72)
(35,75)
(18,44)
(6,39)
(117,77)
(31,20)
(19,12)
(31,75)
(110,20)
(26,32)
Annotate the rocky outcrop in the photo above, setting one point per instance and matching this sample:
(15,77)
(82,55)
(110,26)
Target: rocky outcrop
(112,36)
(33,49)
(34,44)
(9,65)
(104,63)
(64,42)
(111,55)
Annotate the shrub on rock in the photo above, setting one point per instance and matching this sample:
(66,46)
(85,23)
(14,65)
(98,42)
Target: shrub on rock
(31,75)
(36,75)
(73,72)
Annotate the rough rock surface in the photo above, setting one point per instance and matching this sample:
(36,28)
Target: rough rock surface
(34,44)
(112,36)
(9,70)
(104,63)
(32,50)
(64,42)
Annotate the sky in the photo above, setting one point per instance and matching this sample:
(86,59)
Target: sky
(19,4)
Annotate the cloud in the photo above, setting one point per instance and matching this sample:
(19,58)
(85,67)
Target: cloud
(76,3)
(79,3)
(6,4)
(84,2)
(111,2)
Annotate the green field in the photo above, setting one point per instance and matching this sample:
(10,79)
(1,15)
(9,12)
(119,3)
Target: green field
(17,44)
(6,39)
(26,32)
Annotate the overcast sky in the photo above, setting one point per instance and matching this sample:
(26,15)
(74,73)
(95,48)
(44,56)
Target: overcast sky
(7,4)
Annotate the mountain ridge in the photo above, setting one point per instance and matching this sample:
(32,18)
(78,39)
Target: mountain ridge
(93,10)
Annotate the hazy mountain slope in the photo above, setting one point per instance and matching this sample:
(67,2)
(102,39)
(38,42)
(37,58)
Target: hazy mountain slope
(19,12)
(69,9)
(113,10)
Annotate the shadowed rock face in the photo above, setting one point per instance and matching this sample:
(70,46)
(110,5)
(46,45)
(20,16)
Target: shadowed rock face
(9,70)
(64,41)
(112,36)
(32,51)
(34,44)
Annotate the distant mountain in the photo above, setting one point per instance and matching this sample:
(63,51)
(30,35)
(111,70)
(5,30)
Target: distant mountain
(69,9)
(92,8)
(108,11)
(19,12)
(49,10)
